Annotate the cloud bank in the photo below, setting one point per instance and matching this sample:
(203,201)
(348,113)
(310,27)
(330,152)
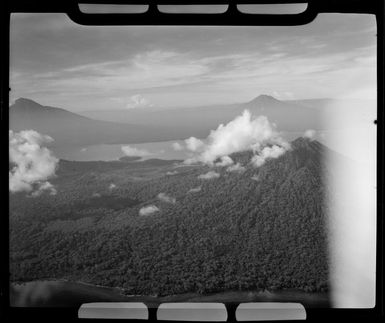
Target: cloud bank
(148,210)
(243,133)
(31,163)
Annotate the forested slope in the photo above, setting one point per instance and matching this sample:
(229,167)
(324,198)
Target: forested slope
(263,228)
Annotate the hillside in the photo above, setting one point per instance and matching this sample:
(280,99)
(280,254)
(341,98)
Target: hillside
(263,228)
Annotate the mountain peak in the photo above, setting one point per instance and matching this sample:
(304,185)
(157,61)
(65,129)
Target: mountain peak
(26,109)
(25,101)
(264,99)
(303,143)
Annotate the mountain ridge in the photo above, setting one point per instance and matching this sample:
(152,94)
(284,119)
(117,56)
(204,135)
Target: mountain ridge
(30,106)
(71,129)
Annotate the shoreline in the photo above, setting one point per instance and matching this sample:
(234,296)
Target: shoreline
(227,296)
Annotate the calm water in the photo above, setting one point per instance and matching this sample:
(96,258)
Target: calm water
(161,150)
(56,293)
(335,140)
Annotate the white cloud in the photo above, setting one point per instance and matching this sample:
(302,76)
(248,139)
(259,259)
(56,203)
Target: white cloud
(165,198)
(209,175)
(268,153)
(32,163)
(163,68)
(224,161)
(96,195)
(135,152)
(83,150)
(177,146)
(138,101)
(232,77)
(284,95)
(194,144)
(148,210)
(236,168)
(310,134)
(195,189)
(111,186)
(44,187)
(243,133)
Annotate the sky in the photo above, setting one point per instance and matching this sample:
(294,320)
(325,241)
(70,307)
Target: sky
(59,63)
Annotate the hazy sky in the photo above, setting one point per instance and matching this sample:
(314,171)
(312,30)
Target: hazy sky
(59,63)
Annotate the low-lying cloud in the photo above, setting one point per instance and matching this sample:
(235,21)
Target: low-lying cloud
(148,210)
(166,198)
(268,153)
(209,175)
(236,168)
(135,152)
(44,187)
(31,163)
(173,172)
(194,144)
(195,189)
(177,146)
(224,161)
(310,134)
(243,133)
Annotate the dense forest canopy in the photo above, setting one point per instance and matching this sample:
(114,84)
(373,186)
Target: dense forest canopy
(257,228)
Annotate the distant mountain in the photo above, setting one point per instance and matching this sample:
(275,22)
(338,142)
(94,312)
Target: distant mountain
(198,121)
(292,117)
(264,99)
(289,116)
(31,110)
(138,126)
(263,228)
(70,129)
(153,125)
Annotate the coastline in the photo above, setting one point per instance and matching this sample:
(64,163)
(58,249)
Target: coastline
(55,292)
